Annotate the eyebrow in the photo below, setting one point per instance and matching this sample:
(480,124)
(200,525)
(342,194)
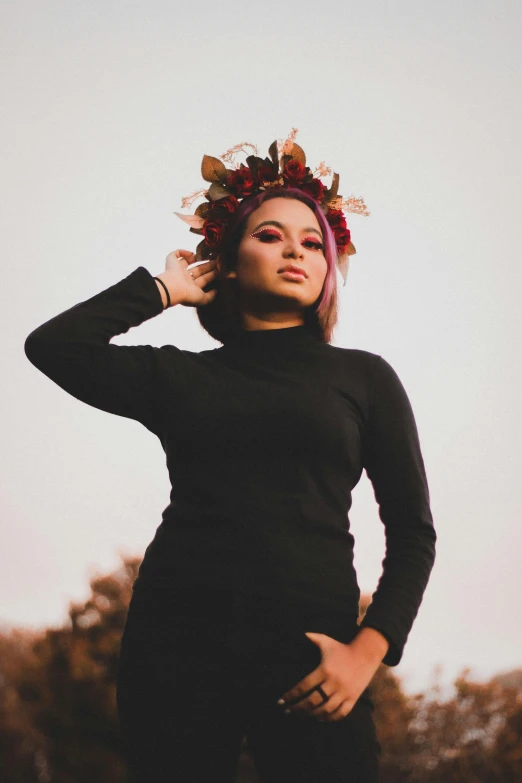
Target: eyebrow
(280,225)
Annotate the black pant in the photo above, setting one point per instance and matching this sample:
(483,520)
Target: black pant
(192,684)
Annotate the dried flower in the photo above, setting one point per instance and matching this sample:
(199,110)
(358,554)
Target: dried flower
(285,147)
(351,204)
(322,170)
(187,201)
(229,155)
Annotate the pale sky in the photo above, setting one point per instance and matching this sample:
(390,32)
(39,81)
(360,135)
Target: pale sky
(107,109)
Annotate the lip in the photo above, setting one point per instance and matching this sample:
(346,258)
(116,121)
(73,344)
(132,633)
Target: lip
(293,272)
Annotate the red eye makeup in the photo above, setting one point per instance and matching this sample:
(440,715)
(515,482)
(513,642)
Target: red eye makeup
(267,232)
(314,243)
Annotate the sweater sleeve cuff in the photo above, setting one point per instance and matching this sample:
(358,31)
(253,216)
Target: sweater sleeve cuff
(144,281)
(394,654)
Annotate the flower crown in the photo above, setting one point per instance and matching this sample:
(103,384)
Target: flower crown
(285,167)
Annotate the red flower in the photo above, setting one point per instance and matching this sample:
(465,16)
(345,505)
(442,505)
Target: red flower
(241,182)
(267,173)
(214,231)
(223,207)
(294,172)
(342,238)
(314,188)
(336,218)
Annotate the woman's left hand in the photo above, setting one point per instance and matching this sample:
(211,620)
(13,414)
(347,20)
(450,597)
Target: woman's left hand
(343,674)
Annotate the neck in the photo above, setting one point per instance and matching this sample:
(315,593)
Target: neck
(262,310)
(253,318)
(252,322)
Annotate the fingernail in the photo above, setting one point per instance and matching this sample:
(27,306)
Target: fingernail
(280,701)
(286,712)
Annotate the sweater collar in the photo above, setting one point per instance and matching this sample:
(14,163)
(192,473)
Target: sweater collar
(287,337)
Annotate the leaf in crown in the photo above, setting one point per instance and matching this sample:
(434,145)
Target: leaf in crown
(331,193)
(351,251)
(213,170)
(194,221)
(298,153)
(342,265)
(202,210)
(217,191)
(254,162)
(202,251)
(274,154)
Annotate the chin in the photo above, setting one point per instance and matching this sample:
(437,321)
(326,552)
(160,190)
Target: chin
(299,292)
(301,298)
(285,292)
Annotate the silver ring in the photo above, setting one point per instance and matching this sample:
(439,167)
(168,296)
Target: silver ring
(323,694)
(190,273)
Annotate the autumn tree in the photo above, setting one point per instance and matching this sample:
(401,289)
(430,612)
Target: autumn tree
(65,690)
(59,723)
(22,746)
(473,737)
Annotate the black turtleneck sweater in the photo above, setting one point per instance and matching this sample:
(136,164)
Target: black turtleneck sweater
(265,438)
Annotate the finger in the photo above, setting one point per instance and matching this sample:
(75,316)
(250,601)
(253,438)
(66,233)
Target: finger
(315,705)
(307,701)
(204,264)
(303,687)
(202,281)
(342,711)
(304,707)
(184,253)
(180,255)
(328,708)
(205,277)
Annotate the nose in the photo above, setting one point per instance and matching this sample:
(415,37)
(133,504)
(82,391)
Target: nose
(293,249)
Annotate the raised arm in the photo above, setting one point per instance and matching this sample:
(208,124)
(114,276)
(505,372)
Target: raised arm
(73,349)
(394,464)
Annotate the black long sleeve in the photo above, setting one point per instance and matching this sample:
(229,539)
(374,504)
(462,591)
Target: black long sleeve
(394,465)
(73,349)
(265,439)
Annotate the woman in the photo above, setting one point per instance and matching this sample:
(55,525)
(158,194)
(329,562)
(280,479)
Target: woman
(243,620)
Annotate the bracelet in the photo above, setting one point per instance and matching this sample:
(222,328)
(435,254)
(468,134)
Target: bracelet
(166,291)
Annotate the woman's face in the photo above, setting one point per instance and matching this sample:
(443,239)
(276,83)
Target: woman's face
(281,233)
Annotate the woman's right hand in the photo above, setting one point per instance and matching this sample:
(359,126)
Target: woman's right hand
(182,287)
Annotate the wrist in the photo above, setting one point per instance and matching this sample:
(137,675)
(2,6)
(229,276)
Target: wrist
(371,645)
(167,296)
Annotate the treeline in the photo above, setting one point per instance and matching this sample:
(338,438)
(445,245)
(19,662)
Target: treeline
(59,723)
